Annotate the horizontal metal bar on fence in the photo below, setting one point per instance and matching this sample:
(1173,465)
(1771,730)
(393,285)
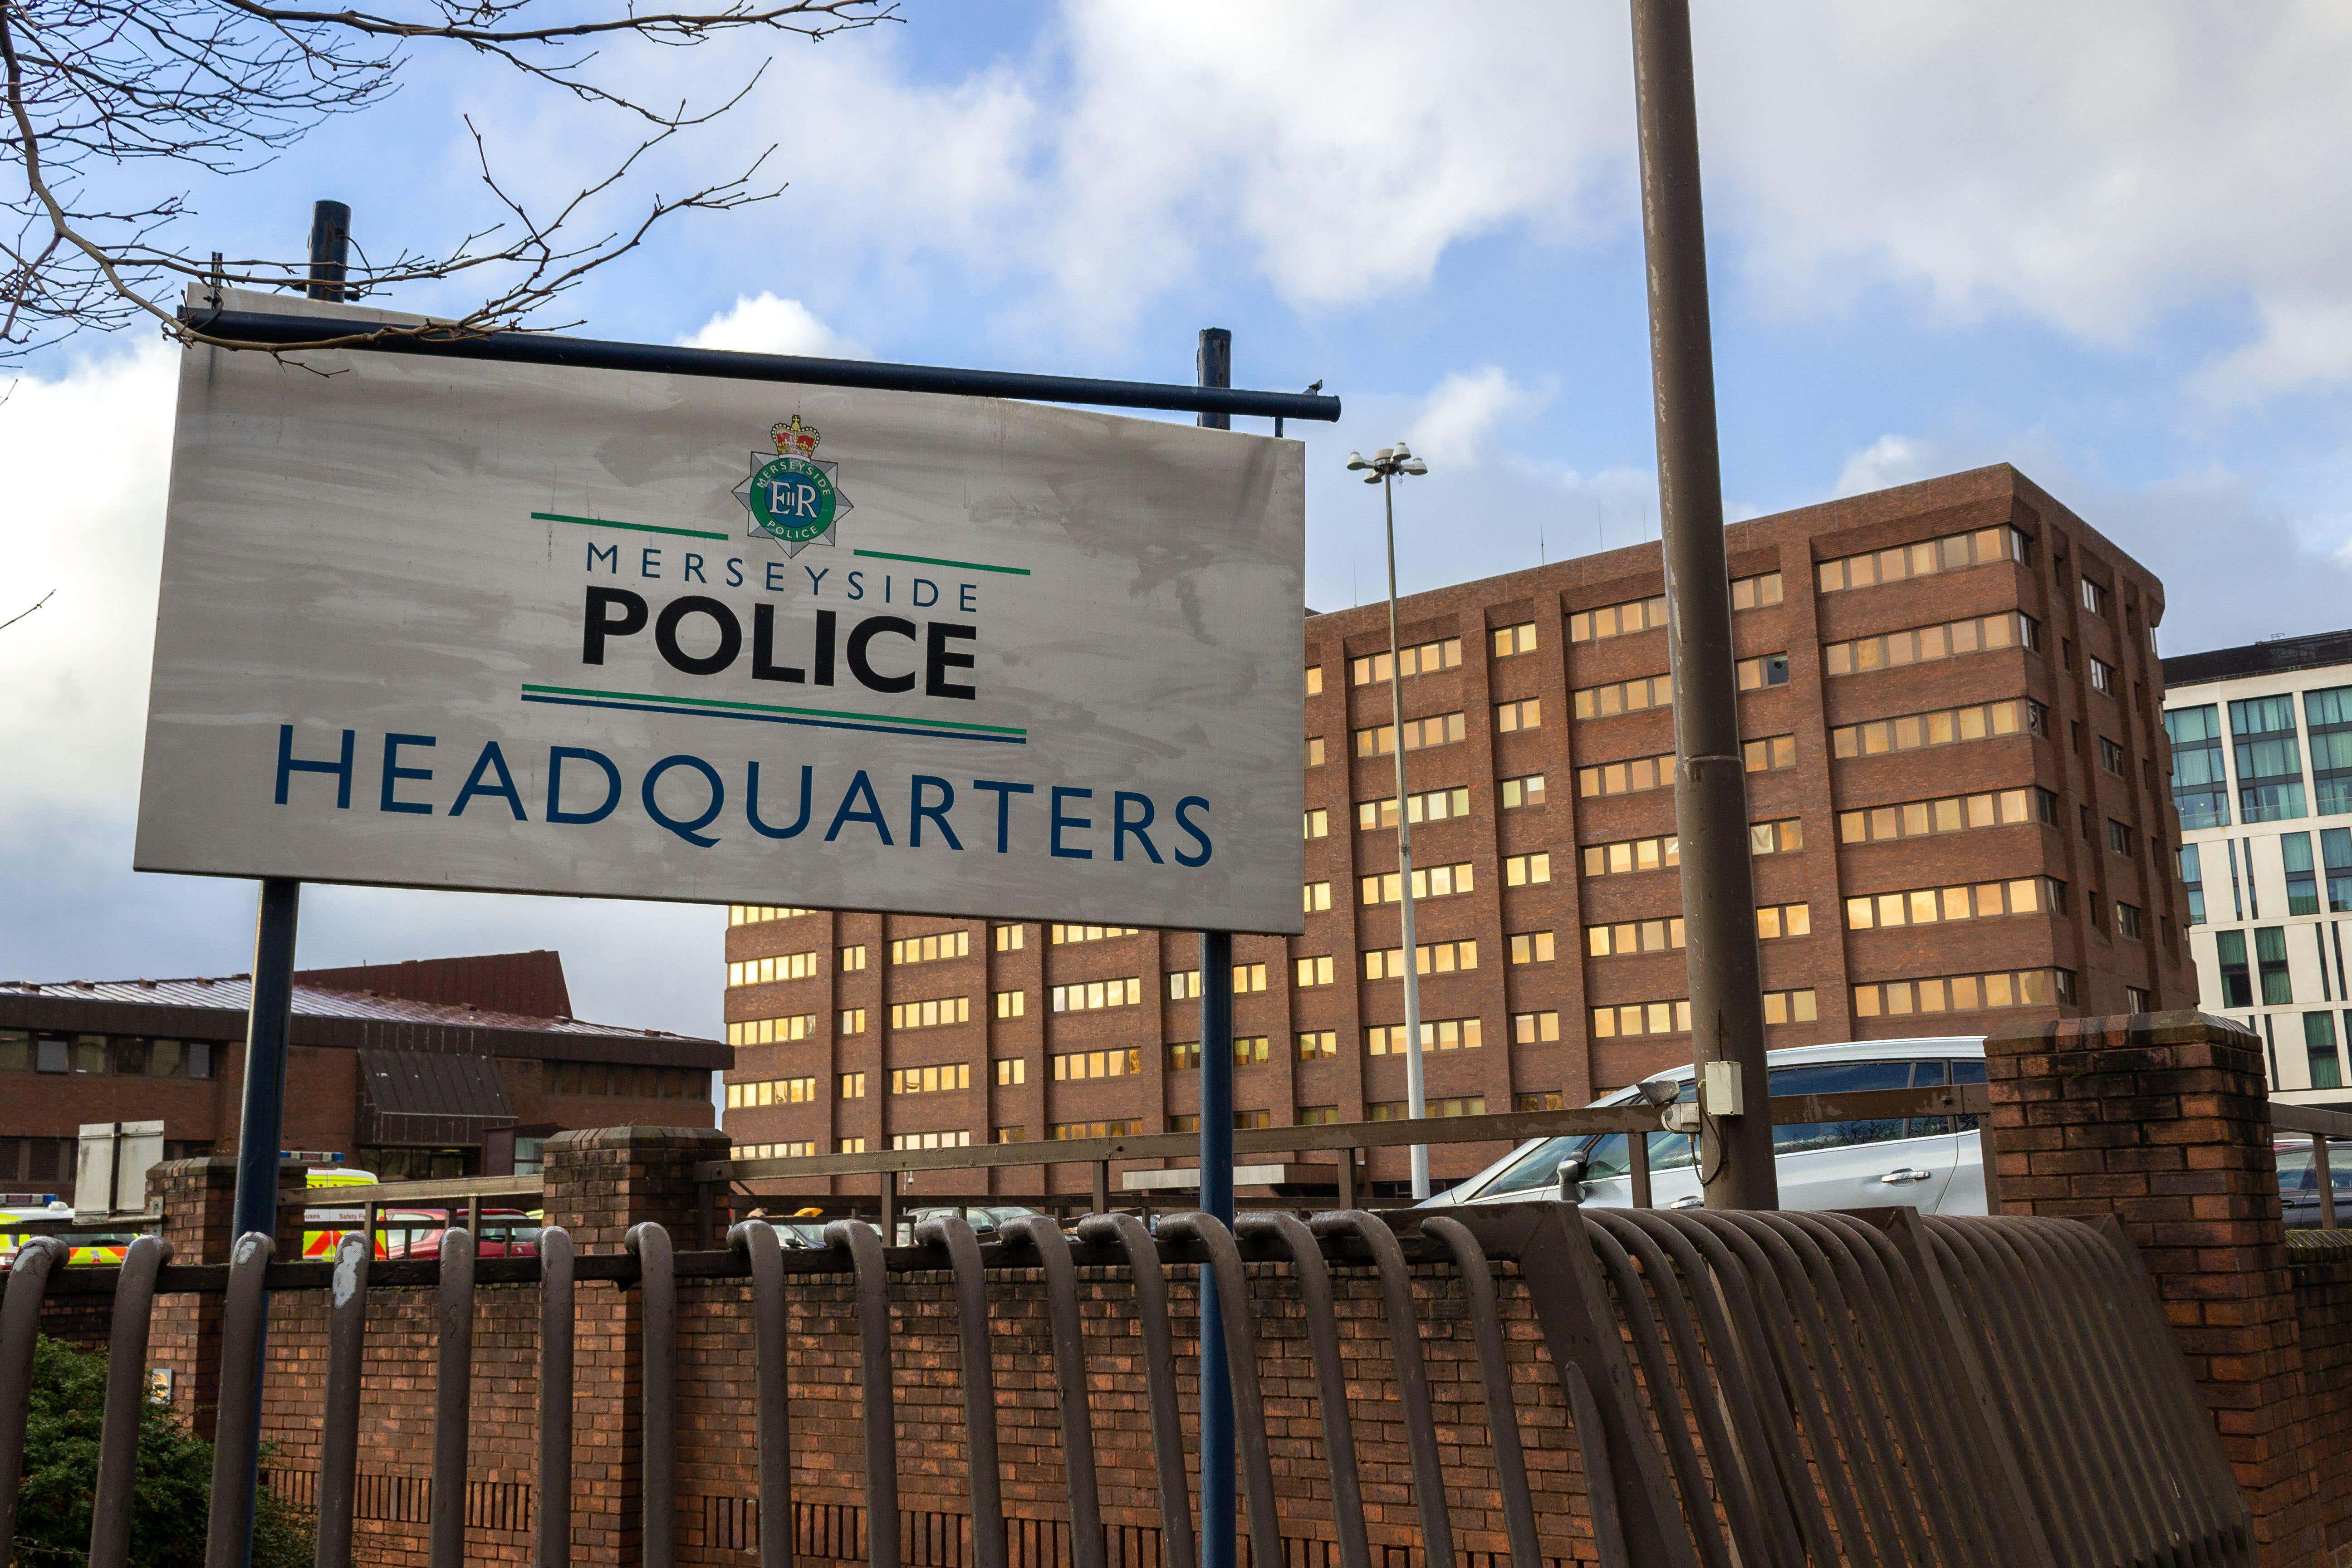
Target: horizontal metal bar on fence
(2310,1119)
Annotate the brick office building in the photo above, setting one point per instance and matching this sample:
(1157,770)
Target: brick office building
(1958,785)
(441,1067)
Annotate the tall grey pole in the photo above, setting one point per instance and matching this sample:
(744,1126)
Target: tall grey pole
(1416,1099)
(1727,998)
(1215,367)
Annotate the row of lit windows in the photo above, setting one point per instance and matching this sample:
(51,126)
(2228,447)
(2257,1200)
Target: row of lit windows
(1534,1028)
(959,1139)
(1981,900)
(925,949)
(1062,935)
(1520,870)
(1434,805)
(783,966)
(1428,882)
(1429,957)
(1249,1050)
(1437,729)
(755,914)
(1510,718)
(1008,938)
(1184,985)
(1785,837)
(1400,1109)
(773,1031)
(771,1091)
(1769,754)
(931,1013)
(1945,727)
(1637,696)
(1011,1004)
(1422,658)
(1921,645)
(1072,1065)
(1436,1034)
(852,958)
(1673,1017)
(1966,993)
(1080,996)
(800,1150)
(1666,934)
(1060,1130)
(1950,813)
(930,1080)
(1514,639)
(1947,553)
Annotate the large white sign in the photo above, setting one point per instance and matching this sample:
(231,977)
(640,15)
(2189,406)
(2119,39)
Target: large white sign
(438,624)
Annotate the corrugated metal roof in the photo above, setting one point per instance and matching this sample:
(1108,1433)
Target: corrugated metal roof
(234,993)
(429,1096)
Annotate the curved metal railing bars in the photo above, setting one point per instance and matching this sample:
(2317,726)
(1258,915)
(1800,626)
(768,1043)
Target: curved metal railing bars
(756,1239)
(1240,1360)
(1495,1384)
(1412,1372)
(245,1318)
(553,1521)
(339,1431)
(953,1236)
(658,1424)
(1177,1549)
(453,1399)
(20,1324)
(863,1244)
(1314,1275)
(126,1391)
(1042,1233)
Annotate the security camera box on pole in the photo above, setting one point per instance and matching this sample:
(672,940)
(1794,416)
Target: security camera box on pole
(459,623)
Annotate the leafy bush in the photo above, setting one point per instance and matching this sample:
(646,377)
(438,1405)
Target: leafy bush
(168,1506)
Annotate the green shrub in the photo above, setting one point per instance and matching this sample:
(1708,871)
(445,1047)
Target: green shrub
(168,1505)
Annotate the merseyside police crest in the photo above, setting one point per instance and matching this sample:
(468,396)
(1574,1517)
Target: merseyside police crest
(791,496)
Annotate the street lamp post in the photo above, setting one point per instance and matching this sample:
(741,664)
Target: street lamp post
(1385,468)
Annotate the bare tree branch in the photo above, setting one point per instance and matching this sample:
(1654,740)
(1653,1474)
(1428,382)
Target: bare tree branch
(20,614)
(218,88)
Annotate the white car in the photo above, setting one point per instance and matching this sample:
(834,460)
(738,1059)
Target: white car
(1933,1163)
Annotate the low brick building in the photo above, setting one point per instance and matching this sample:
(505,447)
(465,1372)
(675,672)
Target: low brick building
(440,1067)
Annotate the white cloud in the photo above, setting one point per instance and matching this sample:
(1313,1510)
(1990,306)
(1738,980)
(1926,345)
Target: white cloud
(1889,460)
(765,325)
(1460,416)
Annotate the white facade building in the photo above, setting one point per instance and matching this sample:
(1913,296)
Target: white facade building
(2262,773)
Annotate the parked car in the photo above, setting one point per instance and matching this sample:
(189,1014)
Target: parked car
(2299,1183)
(1931,1163)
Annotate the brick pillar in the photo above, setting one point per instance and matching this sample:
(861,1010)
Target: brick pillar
(600,1182)
(198,1201)
(2163,1121)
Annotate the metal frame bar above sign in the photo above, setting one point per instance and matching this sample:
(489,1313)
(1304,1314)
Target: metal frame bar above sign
(593,354)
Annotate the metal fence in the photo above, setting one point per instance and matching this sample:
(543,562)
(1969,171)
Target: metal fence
(1764,1388)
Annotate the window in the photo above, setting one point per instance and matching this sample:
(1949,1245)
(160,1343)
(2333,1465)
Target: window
(1636,696)
(2102,675)
(2094,598)
(1949,553)
(2137,999)
(1429,957)
(2111,756)
(1791,1007)
(1525,791)
(2120,837)
(1770,755)
(1517,640)
(756,914)
(1925,644)
(1185,1123)
(1319,823)
(961,1139)
(1756,592)
(1400,1111)
(1314,750)
(1016,1133)
(2329,714)
(2319,1050)
(1315,896)
(1062,936)
(1249,1050)
(931,1014)
(1428,882)
(1008,938)
(2270,963)
(2192,880)
(1945,727)
(1011,1004)
(1438,730)
(2270,762)
(1436,1034)
(1978,901)
(1317,1115)
(1641,1019)
(1315,1044)
(930,1080)
(1422,658)
(1074,1065)
(1950,814)
(1184,985)
(1617,620)
(1532,947)
(1012,1071)
(852,1086)
(1519,870)
(1633,855)
(1128,1128)
(849,1146)
(1551,1100)
(1085,995)
(1634,936)
(790,1151)
(2128,920)
(1313,971)
(925,949)
(852,958)
(1314,681)
(1774,921)
(1966,993)
(1626,777)
(772,1031)
(2237,979)
(1767,669)
(1533,1028)
(2335,855)
(1183,1056)
(1513,717)
(2200,790)
(1432,806)
(773,1091)
(784,966)
(2302,876)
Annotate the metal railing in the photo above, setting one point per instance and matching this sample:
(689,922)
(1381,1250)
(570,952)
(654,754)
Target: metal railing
(2322,1125)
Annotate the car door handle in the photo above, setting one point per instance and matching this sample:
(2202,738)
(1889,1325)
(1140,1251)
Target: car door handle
(1690,1201)
(1902,1174)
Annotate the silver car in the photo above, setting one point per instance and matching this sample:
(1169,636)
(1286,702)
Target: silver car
(1933,1163)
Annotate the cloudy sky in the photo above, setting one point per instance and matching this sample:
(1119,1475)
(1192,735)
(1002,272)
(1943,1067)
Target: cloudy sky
(2098,241)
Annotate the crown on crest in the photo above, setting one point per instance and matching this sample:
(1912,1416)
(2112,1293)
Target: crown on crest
(795,440)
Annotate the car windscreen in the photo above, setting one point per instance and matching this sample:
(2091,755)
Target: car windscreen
(1604,1156)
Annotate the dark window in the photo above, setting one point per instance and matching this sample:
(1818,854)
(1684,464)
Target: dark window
(2046,802)
(2192,879)
(2119,836)
(2329,714)
(2199,789)
(2269,759)
(2270,957)
(2319,1050)
(1837,1078)
(16,1050)
(2336,854)
(2302,876)
(2111,756)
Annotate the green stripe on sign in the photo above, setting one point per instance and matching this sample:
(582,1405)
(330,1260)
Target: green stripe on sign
(632,527)
(942,561)
(691,702)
